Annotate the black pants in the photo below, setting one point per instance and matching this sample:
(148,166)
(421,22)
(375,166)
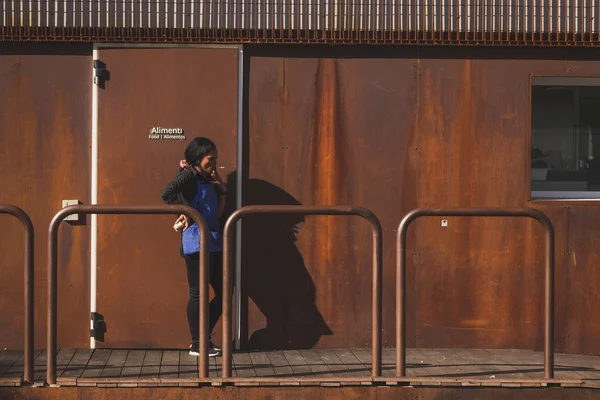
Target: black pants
(215,307)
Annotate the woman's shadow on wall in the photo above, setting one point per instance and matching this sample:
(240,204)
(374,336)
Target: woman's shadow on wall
(274,276)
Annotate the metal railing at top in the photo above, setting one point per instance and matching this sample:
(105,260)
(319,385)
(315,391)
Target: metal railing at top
(28,285)
(119,210)
(365,21)
(474,212)
(304,210)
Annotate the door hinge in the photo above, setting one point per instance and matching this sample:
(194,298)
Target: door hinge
(100,73)
(99,326)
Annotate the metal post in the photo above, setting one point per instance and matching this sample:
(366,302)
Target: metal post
(227,289)
(549,297)
(377,293)
(118,210)
(28,285)
(304,210)
(239,198)
(474,212)
(401,300)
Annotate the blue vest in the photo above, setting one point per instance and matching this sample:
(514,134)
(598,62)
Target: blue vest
(206,203)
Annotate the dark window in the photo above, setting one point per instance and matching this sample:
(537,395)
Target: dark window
(565,145)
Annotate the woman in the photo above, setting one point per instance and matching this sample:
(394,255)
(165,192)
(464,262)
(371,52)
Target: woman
(199,185)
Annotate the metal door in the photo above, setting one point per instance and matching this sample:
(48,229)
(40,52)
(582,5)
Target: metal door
(139,288)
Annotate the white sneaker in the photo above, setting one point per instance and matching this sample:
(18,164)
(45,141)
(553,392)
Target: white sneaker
(195,351)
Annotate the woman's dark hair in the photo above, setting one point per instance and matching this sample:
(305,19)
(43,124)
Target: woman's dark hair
(199,148)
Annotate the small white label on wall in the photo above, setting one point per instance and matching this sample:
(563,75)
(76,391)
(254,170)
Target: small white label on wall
(158,133)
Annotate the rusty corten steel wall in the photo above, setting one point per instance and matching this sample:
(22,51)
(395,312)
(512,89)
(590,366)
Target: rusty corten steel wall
(44,148)
(321,132)
(387,129)
(310,393)
(390,130)
(142,281)
(486,276)
(577,298)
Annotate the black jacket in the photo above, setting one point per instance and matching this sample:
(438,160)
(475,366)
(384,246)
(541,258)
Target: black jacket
(184,187)
(182,190)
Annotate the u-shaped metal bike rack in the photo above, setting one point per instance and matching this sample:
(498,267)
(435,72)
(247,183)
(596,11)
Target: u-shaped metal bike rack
(304,210)
(29,254)
(119,210)
(474,212)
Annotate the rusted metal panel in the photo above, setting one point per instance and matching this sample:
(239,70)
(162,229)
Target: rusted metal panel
(450,130)
(475,269)
(263,320)
(336,119)
(395,21)
(400,128)
(582,277)
(138,257)
(524,212)
(44,147)
(560,220)
(384,393)
(464,269)
(376,294)
(476,129)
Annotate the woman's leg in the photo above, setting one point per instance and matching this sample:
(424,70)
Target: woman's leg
(192,264)
(215,308)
